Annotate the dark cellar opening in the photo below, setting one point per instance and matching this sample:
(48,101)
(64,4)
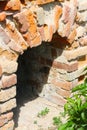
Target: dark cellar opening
(36,70)
(31,76)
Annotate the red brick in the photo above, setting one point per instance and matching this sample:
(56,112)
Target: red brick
(8,81)
(66,13)
(4,118)
(22,22)
(72,36)
(57,99)
(63,93)
(39,2)
(41,31)
(66,67)
(15,35)
(36,41)
(62,84)
(13,5)
(2,16)
(57,14)
(48,33)
(15,47)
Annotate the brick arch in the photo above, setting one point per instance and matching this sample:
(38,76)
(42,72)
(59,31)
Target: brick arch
(25,24)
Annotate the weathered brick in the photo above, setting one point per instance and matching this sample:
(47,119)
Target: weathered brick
(5,80)
(57,14)
(48,33)
(36,41)
(8,126)
(66,13)
(7,94)
(15,35)
(73,54)
(57,99)
(63,93)
(2,16)
(43,2)
(22,21)
(62,84)
(15,47)
(41,31)
(4,38)
(7,106)
(8,66)
(4,118)
(13,5)
(59,65)
(72,36)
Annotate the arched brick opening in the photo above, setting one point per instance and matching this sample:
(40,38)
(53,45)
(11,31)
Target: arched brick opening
(27,24)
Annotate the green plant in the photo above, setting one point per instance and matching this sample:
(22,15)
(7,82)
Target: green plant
(35,122)
(57,121)
(43,112)
(76,109)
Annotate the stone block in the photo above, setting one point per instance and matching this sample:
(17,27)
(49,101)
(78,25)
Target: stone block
(5,80)
(4,118)
(8,66)
(7,94)
(64,84)
(15,47)
(76,53)
(7,106)
(8,126)
(74,75)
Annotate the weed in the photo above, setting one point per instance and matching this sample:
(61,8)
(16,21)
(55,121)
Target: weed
(57,121)
(35,122)
(43,112)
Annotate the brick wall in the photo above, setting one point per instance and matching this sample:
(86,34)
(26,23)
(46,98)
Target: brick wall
(62,25)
